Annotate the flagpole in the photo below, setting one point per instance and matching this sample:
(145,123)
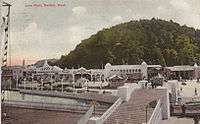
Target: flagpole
(9,35)
(1,32)
(2,29)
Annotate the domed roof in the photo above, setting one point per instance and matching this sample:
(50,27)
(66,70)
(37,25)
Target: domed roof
(195,65)
(144,63)
(108,65)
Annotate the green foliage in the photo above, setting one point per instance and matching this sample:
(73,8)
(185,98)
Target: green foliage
(154,41)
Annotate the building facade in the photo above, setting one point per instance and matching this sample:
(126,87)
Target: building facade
(130,72)
(116,75)
(183,72)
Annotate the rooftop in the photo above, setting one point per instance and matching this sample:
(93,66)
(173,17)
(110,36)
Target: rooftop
(181,68)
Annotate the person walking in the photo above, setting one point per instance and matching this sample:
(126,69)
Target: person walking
(183,107)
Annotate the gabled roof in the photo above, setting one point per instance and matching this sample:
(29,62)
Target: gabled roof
(115,77)
(82,71)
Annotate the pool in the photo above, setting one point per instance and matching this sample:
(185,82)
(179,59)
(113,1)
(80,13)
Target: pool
(17,96)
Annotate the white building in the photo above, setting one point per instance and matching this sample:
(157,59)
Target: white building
(129,71)
(184,72)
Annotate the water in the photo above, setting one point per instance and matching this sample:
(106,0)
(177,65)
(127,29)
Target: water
(17,96)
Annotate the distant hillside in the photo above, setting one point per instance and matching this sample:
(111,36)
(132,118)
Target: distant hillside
(155,41)
(40,63)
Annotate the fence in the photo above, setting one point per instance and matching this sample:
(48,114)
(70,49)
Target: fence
(84,119)
(82,96)
(108,112)
(156,116)
(47,106)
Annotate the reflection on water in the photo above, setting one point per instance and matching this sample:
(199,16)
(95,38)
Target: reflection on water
(15,95)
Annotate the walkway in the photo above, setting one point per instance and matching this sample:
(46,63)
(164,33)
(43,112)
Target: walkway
(134,111)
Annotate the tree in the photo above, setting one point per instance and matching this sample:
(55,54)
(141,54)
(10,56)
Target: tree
(154,41)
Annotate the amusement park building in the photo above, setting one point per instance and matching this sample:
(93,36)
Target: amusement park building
(129,72)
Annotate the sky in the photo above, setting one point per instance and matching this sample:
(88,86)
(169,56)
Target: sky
(42,29)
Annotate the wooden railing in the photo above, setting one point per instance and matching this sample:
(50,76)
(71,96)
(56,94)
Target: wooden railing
(156,116)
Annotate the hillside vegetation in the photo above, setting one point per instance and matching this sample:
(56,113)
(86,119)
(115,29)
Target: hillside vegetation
(154,41)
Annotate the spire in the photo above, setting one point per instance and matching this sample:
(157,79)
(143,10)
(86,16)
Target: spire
(23,62)
(45,63)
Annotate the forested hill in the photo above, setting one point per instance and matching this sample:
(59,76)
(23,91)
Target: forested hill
(155,41)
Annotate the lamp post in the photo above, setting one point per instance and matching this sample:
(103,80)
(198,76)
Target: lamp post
(73,81)
(51,83)
(32,81)
(62,83)
(24,83)
(146,113)
(42,85)
(17,82)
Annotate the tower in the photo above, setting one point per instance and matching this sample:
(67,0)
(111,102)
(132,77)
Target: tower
(23,62)
(196,71)
(144,70)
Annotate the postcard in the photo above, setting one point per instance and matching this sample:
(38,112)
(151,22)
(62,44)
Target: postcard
(100,61)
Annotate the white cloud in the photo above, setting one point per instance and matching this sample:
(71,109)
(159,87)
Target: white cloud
(79,11)
(161,8)
(24,41)
(32,34)
(185,13)
(74,35)
(117,19)
(162,12)
(180,4)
